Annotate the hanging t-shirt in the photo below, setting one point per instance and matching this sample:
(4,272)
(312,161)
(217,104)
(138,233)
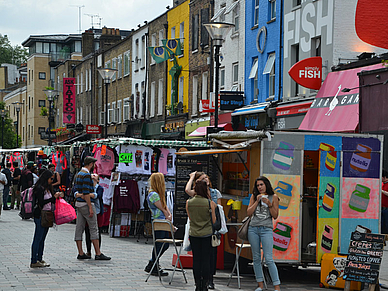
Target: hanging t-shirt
(126,197)
(60,161)
(155,160)
(143,191)
(170,202)
(148,153)
(163,161)
(18,157)
(108,191)
(139,159)
(129,166)
(105,163)
(171,162)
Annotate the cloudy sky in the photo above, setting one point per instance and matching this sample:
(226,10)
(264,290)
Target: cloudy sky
(21,18)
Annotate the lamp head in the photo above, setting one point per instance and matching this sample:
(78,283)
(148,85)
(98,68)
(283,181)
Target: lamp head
(50,93)
(218,31)
(107,74)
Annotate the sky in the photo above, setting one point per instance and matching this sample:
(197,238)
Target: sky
(21,18)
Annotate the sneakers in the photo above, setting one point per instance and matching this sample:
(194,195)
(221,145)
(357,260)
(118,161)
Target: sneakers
(36,265)
(44,263)
(89,254)
(102,257)
(83,257)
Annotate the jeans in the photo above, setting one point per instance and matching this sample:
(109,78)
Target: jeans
(384,220)
(159,234)
(263,235)
(5,196)
(38,242)
(202,248)
(15,196)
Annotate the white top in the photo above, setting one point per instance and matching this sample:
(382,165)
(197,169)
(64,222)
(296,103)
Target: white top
(4,179)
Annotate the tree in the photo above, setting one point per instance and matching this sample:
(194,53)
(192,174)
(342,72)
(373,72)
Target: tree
(8,131)
(9,54)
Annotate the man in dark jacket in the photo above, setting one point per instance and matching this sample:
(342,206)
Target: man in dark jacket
(8,175)
(15,189)
(27,179)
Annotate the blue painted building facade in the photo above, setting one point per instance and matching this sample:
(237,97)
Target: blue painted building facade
(263,50)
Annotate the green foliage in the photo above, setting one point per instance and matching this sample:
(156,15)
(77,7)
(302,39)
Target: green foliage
(11,54)
(9,131)
(43,111)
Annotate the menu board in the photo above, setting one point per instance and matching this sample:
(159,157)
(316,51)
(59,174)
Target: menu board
(364,259)
(185,166)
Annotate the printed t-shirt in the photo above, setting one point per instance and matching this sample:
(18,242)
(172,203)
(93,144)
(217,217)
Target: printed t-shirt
(152,198)
(171,162)
(108,191)
(143,186)
(163,161)
(130,166)
(105,163)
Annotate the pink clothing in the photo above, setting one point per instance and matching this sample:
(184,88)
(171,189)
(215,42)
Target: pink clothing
(47,195)
(163,160)
(105,163)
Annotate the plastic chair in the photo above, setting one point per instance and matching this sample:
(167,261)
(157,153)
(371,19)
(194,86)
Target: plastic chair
(166,225)
(239,248)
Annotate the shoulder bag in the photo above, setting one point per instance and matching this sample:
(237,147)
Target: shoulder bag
(243,231)
(216,237)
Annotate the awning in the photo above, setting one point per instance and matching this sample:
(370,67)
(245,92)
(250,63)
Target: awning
(209,152)
(201,131)
(253,73)
(231,7)
(80,137)
(219,12)
(334,110)
(292,109)
(269,65)
(251,109)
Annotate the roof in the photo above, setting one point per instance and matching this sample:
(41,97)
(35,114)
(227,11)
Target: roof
(50,38)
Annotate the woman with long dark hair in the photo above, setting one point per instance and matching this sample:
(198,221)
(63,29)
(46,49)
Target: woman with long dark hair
(201,230)
(263,207)
(43,199)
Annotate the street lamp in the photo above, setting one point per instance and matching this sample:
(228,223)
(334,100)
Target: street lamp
(18,106)
(218,32)
(50,97)
(106,75)
(3,114)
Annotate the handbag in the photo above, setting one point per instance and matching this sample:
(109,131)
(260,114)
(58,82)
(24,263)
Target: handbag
(216,225)
(47,218)
(243,231)
(63,212)
(216,240)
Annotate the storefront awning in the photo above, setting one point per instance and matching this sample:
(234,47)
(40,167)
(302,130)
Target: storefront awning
(251,109)
(209,152)
(292,109)
(335,109)
(201,131)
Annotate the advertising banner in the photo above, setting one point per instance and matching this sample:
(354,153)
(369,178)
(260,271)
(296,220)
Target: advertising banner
(69,100)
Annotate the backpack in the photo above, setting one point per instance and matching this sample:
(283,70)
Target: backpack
(24,179)
(27,204)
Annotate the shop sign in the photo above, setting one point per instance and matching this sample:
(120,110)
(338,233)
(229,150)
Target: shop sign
(174,125)
(46,135)
(231,101)
(68,100)
(70,126)
(93,129)
(79,127)
(126,158)
(205,106)
(308,73)
(252,121)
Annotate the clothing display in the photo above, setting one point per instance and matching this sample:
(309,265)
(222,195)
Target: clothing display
(126,197)
(163,161)
(139,161)
(105,163)
(143,192)
(60,162)
(108,191)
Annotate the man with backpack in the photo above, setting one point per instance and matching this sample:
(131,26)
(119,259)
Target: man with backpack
(8,175)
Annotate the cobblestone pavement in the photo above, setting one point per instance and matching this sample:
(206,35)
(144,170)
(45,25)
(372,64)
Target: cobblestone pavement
(123,272)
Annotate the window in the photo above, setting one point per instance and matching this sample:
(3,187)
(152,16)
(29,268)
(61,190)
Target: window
(235,73)
(126,63)
(253,72)
(152,109)
(77,84)
(143,48)
(126,109)
(204,86)
(316,47)
(153,44)
(42,76)
(296,2)
(81,116)
(270,63)
(114,66)
(172,36)
(137,59)
(294,59)
(82,83)
(29,103)
(86,80)
(42,103)
(222,78)
(272,9)
(182,35)
(90,79)
(142,99)
(204,33)
(114,117)
(38,47)
(46,48)
(194,106)
(119,67)
(77,46)
(41,129)
(194,36)
(253,75)
(99,61)
(160,97)
(236,17)
(161,37)
(28,132)
(118,110)
(256,20)
(32,102)
(271,87)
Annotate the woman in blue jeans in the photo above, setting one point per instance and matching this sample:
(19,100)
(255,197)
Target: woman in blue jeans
(43,200)
(263,207)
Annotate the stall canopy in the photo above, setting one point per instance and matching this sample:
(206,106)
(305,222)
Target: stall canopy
(201,131)
(335,108)
(209,152)
(251,109)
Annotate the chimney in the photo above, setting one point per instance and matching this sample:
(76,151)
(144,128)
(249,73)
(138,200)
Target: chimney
(109,37)
(87,42)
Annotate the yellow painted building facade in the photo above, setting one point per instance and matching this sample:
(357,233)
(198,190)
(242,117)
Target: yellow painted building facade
(178,19)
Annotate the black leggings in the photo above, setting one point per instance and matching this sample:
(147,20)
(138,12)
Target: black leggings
(201,247)
(88,241)
(213,261)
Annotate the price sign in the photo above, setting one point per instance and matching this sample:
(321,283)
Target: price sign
(126,158)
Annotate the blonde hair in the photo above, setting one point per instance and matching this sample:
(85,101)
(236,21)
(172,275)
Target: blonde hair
(157,184)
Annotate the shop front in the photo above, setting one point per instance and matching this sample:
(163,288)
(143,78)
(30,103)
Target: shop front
(289,115)
(251,117)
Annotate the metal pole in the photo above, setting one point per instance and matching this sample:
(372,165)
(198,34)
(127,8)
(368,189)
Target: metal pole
(49,137)
(106,110)
(217,57)
(17,130)
(2,132)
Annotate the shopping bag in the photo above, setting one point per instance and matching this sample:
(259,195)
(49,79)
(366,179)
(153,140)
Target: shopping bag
(64,212)
(186,241)
(223,229)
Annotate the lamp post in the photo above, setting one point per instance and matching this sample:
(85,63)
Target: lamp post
(3,114)
(18,106)
(218,32)
(50,97)
(106,75)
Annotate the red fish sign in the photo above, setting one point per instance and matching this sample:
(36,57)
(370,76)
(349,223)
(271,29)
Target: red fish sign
(308,73)
(370,19)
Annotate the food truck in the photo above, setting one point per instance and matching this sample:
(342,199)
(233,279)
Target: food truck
(327,184)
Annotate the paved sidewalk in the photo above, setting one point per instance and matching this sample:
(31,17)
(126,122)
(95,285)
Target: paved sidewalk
(123,272)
